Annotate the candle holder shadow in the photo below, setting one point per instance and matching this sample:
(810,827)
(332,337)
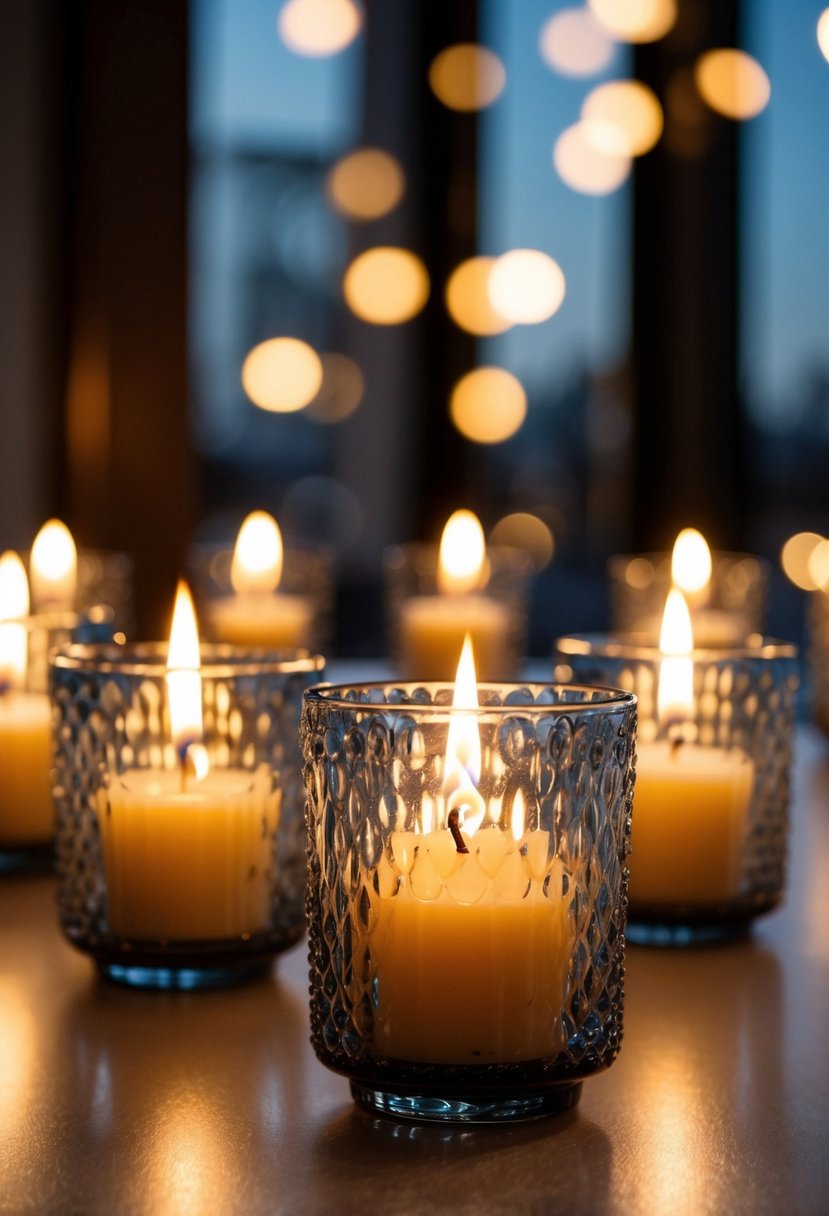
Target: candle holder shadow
(479,986)
(710,814)
(167,885)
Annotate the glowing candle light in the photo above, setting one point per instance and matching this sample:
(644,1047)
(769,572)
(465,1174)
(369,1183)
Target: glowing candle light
(185,854)
(471,939)
(433,626)
(54,567)
(691,802)
(25,740)
(257,614)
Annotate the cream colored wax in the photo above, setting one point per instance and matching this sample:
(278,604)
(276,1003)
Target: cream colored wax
(690,815)
(432,629)
(272,621)
(26,815)
(471,968)
(188,866)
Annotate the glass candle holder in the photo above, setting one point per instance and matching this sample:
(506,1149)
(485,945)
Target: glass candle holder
(168,879)
(426,627)
(710,819)
(467,986)
(729,611)
(299,613)
(103,590)
(26,812)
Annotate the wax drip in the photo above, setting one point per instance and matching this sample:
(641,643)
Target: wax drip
(453,822)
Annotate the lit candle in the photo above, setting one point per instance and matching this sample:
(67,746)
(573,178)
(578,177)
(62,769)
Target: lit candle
(432,627)
(690,806)
(258,614)
(187,848)
(470,933)
(25,737)
(53,568)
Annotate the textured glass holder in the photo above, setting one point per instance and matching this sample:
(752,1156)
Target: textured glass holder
(165,880)
(480,986)
(426,628)
(818,630)
(104,594)
(26,811)
(299,613)
(728,613)
(710,812)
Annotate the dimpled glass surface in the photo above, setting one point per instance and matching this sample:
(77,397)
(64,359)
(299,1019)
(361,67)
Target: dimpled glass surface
(107,720)
(743,700)
(367,765)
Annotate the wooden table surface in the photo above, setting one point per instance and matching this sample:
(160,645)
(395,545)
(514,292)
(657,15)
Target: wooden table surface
(171,1104)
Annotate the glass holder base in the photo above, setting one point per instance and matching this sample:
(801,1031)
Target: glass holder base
(181,979)
(468,1107)
(647,933)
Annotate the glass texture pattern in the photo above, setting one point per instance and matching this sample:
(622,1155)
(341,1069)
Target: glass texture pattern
(373,760)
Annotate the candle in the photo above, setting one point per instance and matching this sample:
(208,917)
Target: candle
(691,573)
(25,737)
(187,848)
(257,614)
(432,627)
(54,568)
(691,801)
(469,935)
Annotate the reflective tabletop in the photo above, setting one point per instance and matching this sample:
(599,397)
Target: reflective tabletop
(176,1104)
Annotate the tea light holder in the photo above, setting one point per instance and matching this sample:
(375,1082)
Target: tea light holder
(467,986)
(731,610)
(165,879)
(710,818)
(26,811)
(103,593)
(300,613)
(426,628)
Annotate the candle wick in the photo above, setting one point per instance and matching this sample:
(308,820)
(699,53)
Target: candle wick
(676,744)
(453,821)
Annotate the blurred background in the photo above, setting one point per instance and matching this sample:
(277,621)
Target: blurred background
(362,264)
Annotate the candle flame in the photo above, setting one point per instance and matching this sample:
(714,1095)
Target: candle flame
(54,566)
(675,696)
(183,675)
(14,604)
(463,746)
(518,818)
(462,556)
(257,556)
(691,562)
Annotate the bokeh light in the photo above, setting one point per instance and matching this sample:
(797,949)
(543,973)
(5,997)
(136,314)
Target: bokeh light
(823,33)
(386,285)
(467,76)
(343,388)
(623,117)
(282,375)
(795,556)
(318,28)
(467,298)
(488,405)
(526,286)
(522,530)
(582,166)
(635,20)
(732,83)
(366,184)
(818,566)
(574,43)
